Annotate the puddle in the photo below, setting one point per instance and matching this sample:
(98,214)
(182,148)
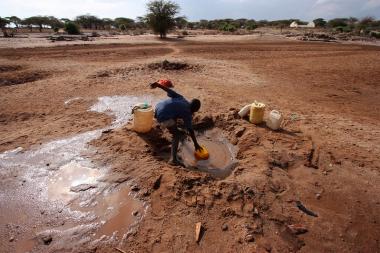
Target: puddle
(70,179)
(61,172)
(222,154)
(118,210)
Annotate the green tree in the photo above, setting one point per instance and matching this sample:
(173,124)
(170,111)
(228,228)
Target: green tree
(55,23)
(320,22)
(124,23)
(15,20)
(337,22)
(40,21)
(161,16)
(180,22)
(3,23)
(251,24)
(89,22)
(71,28)
(227,27)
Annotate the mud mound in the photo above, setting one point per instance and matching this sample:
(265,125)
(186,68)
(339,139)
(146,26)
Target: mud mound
(8,68)
(146,69)
(14,78)
(167,65)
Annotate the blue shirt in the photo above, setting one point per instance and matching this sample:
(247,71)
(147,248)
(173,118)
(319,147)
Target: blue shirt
(176,107)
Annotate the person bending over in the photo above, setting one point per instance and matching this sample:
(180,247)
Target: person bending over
(167,113)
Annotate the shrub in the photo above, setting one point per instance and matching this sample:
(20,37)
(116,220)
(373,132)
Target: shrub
(227,27)
(71,28)
(343,29)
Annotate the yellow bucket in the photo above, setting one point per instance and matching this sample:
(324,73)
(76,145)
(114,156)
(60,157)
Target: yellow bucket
(202,154)
(256,115)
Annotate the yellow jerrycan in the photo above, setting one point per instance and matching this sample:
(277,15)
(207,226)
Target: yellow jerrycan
(256,115)
(142,117)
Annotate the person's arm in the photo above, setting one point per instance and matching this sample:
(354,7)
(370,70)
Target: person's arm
(192,135)
(171,93)
(187,120)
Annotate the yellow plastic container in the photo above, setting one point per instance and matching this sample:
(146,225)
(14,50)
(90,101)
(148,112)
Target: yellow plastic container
(256,115)
(142,118)
(202,154)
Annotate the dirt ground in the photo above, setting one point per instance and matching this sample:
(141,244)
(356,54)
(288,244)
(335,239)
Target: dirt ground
(325,159)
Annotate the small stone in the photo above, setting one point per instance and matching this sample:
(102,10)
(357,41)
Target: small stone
(297,229)
(48,164)
(135,188)
(318,196)
(47,239)
(11,239)
(135,213)
(249,238)
(82,187)
(239,132)
(225,227)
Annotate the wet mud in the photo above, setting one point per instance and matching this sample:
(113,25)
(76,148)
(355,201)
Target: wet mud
(61,173)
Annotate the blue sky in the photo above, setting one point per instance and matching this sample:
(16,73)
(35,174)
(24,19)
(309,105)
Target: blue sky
(197,9)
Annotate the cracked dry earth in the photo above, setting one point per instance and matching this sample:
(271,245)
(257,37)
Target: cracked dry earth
(311,187)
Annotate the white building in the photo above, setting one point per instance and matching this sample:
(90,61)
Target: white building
(294,24)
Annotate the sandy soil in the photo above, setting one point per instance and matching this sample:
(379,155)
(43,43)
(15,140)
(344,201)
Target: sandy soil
(325,158)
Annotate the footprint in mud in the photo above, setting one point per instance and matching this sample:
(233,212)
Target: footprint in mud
(222,154)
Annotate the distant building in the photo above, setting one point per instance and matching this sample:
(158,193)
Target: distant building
(294,24)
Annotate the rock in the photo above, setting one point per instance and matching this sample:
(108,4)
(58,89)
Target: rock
(157,183)
(198,231)
(135,188)
(47,239)
(240,131)
(234,141)
(318,196)
(224,227)
(249,238)
(82,187)
(297,229)
(11,239)
(135,213)
(200,200)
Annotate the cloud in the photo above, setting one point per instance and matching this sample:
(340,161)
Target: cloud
(346,8)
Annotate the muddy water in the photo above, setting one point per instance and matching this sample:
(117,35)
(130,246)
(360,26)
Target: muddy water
(59,178)
(63,184)
(222,154)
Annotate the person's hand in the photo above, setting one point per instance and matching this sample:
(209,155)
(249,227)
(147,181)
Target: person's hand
(153,85)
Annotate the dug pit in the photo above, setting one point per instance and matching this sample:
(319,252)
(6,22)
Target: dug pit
(20,77)
(222,157)
(128,72)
